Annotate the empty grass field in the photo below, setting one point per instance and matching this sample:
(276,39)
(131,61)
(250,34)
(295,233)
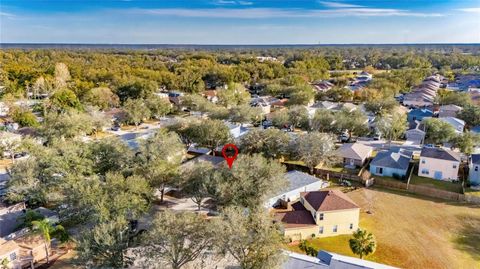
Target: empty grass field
(414,232)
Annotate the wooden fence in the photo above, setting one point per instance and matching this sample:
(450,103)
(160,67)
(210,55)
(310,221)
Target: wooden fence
(394,185)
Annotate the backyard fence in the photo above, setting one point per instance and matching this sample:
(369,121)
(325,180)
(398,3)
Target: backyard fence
(391,184)
(337,175)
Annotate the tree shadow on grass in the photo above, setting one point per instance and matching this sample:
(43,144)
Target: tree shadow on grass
(468,238)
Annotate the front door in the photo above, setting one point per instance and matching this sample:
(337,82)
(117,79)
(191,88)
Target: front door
(438,175)
(352,162)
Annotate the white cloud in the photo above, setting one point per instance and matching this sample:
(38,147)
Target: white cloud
(259,13)
(5,14)
(337,4)
(245,3)
(232,2)
(470,9)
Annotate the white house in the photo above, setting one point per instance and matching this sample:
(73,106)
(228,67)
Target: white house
(328,260)
(297,182)
(236,130)
(438,163)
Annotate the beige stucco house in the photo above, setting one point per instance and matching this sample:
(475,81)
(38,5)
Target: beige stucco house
(438,163)
(354,154)
(320,214)
(9,254)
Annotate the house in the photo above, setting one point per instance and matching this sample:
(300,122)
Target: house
(24,251)
(391,163)
(438,163)
(211,95)
(475,129)
(449,111)
(416,133)
(419,114)
(236,130)
(475,96)
(328,260)
(424,94)
(322,86)
(32,247)
(474,170)
(10,252)
(456,123)
(9,218)
(321,214)
(216,161)
(354,154)
(197,151)
(298,182)
(349,107)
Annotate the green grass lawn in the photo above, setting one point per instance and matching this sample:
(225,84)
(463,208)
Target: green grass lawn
(439,184)
(338,244)
(412,231)
(387,178)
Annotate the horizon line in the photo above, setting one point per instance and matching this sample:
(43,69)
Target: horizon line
(232,44)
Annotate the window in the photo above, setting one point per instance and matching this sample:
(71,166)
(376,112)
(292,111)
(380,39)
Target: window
(351,226)
(454,166)
(13,256)
(335,228)
(423,160)
(321,216)
(379,170)
(321,230)
(425,171)
(476,168)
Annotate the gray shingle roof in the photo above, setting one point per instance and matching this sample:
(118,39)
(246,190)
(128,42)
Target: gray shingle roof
(438,153)
(476,158)
(297,179)
(397,159)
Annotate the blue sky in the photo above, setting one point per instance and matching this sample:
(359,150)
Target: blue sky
(240,21)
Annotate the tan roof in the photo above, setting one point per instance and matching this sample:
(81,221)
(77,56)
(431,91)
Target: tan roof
(329,200)
(355,151)
(210,93)
(29,241)
(7,247)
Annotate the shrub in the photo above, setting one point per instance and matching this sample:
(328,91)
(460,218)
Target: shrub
(25,118)
(61,234)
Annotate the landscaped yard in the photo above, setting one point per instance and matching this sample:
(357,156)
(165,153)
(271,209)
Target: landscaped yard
(414,232)
(439,184)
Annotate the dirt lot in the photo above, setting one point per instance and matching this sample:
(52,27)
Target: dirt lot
(415,232)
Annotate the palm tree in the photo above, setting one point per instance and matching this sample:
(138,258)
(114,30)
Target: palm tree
(45,228)
(363,243)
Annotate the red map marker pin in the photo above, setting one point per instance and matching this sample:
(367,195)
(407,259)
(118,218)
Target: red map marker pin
(230,152)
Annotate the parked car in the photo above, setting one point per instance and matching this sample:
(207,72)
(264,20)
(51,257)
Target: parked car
(115,128)
(344,137)
(377,136)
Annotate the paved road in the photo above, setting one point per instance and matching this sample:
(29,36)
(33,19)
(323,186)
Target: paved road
(384,145)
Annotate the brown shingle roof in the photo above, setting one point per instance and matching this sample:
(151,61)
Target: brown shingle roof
(329,200)
(293,219)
